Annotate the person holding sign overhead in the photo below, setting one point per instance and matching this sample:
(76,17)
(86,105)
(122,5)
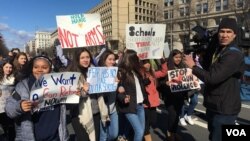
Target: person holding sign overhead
(47,124)
(174,100)
(7,81)
(131,102)
(110,132)
(91,111)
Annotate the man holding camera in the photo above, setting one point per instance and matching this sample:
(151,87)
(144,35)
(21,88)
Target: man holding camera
(222,87)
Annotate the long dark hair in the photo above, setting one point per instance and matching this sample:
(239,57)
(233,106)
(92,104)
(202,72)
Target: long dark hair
(171,64)
(1,69)
(16,63)
(75,65)
(104,57)
(130,63)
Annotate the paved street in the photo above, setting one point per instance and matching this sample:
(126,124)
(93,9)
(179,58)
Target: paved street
(196,132)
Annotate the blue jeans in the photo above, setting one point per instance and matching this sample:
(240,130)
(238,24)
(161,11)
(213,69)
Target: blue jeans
(137,122)
(215,122)
(192,104)
(110,132)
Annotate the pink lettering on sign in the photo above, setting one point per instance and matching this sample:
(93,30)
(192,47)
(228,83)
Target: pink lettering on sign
(67,39)
(94,37)
(142,44)
(143,55)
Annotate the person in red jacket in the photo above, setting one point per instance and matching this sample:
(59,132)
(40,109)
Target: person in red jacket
(150,80)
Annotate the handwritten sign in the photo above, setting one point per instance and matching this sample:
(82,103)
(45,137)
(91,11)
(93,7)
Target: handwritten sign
(5,92)
(182,80)
(80,30)
(146,39)
(55,88)
(102,79)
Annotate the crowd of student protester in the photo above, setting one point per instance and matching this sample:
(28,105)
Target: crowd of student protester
(105,117)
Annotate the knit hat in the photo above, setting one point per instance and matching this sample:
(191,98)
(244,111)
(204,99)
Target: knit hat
(228,23)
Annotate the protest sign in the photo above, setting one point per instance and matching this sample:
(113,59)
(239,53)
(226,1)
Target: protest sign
(146,39)
(55,88)
(182,80)
(80,30)
(102,79)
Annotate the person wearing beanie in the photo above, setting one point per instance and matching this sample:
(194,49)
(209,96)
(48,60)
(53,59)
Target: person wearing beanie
(221,78)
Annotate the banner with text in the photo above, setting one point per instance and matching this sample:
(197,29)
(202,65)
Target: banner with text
(80,30)
(182,80)
(55,88)
(102,79)
(146,39)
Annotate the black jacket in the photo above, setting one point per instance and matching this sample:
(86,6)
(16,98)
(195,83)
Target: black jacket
(130,89)
(222,87)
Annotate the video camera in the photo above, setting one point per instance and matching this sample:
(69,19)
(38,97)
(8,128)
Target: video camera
(243,37)
(201,40)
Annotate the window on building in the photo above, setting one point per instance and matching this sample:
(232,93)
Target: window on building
(183,1)
(225,4)
(166,16)
(239,3)
(136,9)
(182,26)
(169,2)
(171,15)
(205,7)
(182,11)
(218,5)
(198,9)
(217,21)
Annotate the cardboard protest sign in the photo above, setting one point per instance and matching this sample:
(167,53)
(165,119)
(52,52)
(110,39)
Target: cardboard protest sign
(102,79)
(146,39)
(55,88)
(80,30)
(182,80)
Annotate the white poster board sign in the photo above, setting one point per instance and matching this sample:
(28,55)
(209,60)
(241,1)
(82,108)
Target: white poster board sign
(55,88)
(146,39)
(80,30)
(182,80)
(102,79)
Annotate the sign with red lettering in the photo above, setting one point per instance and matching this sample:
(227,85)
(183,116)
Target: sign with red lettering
(182,80)
(146,39)
(55,88)
(80,30)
